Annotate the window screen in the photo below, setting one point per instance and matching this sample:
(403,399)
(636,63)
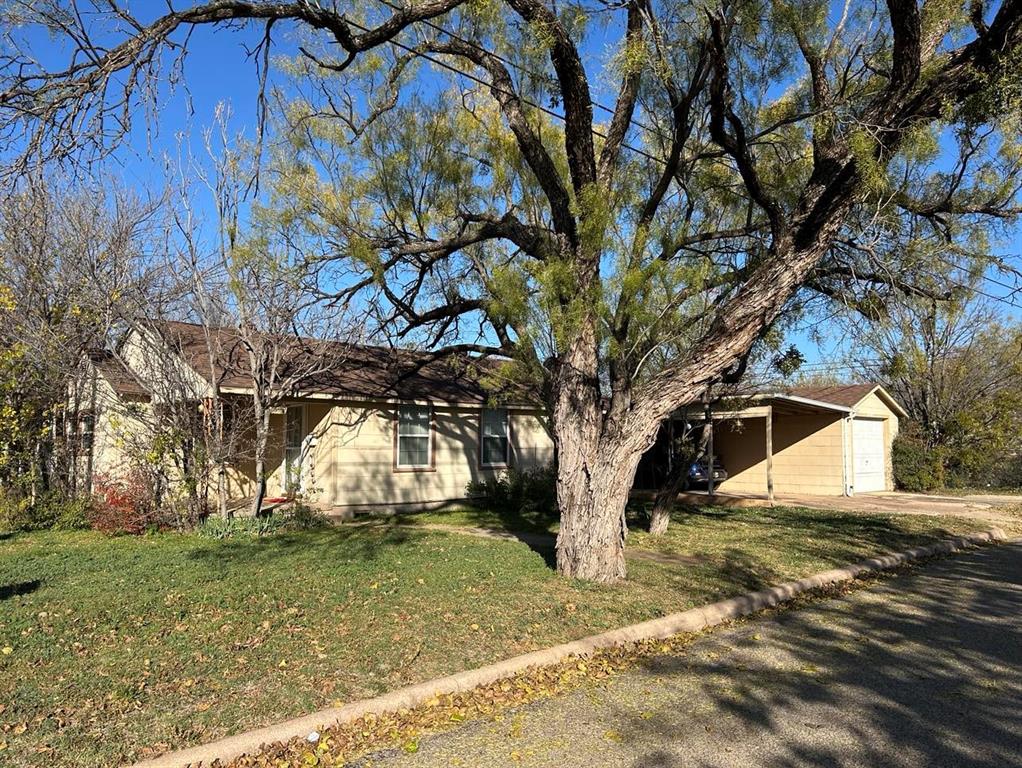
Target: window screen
(413,436)
(494,449)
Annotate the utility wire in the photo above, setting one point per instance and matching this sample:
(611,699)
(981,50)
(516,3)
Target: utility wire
(519,67)
(519,97)
(596,132)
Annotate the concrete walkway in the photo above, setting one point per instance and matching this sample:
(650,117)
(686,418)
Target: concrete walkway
(924,670)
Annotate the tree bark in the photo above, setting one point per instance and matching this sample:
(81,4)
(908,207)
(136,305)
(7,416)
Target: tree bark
(262,432)
(591,541)
(676,481)
(596,461)
(663,503)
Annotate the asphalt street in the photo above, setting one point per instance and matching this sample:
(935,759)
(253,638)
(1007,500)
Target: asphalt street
(922,670)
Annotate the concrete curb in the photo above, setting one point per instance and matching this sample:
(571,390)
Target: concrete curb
(692,620)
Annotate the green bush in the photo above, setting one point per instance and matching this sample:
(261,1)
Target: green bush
(531,491)
(50,510)
(295,517)
(917,468)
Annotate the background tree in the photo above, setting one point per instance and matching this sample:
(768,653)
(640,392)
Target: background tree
(956,367)
(257,297)
(71,263)
(447,154)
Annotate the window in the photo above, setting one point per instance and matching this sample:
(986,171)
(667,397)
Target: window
(87,431)
(494,446)
(414,439)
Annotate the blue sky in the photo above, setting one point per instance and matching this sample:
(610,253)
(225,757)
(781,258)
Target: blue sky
(217,71)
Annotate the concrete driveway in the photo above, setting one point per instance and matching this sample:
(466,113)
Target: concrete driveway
(992,509)
(924,670)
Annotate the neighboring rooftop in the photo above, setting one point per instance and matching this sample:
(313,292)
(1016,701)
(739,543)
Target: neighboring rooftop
(117,374)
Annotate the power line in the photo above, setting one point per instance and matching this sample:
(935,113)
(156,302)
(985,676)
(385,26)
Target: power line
(519,97)
(519,67)
(596,132)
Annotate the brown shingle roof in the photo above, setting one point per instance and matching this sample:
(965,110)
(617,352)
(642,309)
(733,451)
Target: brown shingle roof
(847,395)
(346,370)
(116,373)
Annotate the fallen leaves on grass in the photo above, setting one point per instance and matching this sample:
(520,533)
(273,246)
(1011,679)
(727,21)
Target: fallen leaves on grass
(404,729)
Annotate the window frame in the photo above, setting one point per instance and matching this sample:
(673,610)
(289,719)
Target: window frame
(430,465)
(87,431)
(507,440)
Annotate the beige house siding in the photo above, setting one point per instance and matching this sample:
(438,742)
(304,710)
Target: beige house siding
(741,447)
(354,457)
(163,373)
(810,451)
(807,455)
(117,430)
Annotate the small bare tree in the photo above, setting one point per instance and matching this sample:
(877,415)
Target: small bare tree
(257,297)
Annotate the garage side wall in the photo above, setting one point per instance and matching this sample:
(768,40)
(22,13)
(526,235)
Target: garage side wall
(807,455)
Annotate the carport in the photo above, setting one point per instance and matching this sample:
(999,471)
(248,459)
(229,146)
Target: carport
(825,441)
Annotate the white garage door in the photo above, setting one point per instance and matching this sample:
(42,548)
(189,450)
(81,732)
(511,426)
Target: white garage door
(868,450)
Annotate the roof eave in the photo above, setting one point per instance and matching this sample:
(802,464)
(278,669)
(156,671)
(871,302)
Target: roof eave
(804,401)
(888,399)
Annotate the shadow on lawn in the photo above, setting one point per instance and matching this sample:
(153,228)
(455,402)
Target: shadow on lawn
(931,679)
(8,591)
(716,553)
(362,542)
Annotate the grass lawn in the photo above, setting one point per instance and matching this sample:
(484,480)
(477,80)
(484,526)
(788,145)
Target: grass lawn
(118,648)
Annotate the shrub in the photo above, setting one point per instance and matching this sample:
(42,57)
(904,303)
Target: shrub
(295,517)
(50,510)
(125,505)
(917,468)
(532,491)
(15,512)
(70,514)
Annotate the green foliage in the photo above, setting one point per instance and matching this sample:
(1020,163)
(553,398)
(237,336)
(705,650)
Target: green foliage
(295,517)
(520,492)
(917,468)
(50,511)
(871,170)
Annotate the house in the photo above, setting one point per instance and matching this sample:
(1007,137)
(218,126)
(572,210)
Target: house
(374,428)
(827,441)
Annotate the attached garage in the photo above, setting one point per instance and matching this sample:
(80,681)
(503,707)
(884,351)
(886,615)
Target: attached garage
(827,441)
(869,451)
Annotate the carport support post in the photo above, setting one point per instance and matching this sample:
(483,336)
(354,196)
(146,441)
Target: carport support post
(709,446)
(770,452)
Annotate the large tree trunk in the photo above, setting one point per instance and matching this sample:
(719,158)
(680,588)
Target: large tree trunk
(591,541)
(591,491)
(596,466)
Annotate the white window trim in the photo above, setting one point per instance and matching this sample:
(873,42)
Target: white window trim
(430,464)
(507,439)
